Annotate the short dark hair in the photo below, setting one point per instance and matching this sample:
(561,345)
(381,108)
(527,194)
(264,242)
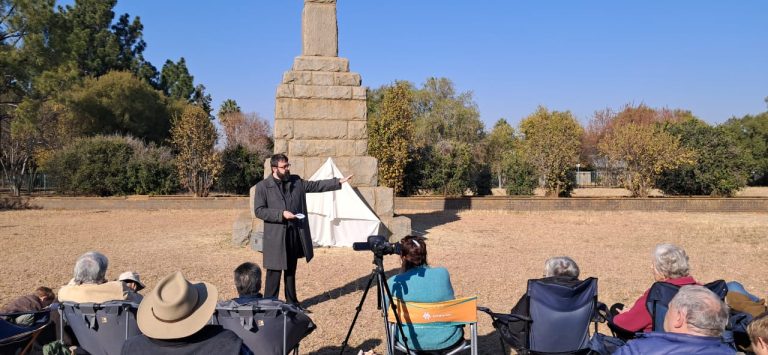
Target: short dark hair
(275,159)
(248,279)
(45,292)
(414,252)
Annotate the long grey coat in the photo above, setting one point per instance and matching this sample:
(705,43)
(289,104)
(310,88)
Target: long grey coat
(269,206)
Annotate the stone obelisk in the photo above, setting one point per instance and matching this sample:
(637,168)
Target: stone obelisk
(321,112)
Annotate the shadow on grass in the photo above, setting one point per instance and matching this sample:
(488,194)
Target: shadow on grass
(350,287)
(353,350)
(421,223)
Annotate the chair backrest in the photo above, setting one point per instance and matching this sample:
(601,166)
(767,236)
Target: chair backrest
(18,339)
(101,328)
(452,312)
(661,293)
(560,314)
(267,326)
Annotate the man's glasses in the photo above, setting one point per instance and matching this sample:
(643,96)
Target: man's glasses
(286,166)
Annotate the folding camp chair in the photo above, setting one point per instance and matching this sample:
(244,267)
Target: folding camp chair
(460,311)
(18,339)
(100,328)
(267,326)
(661,293)
(558,321)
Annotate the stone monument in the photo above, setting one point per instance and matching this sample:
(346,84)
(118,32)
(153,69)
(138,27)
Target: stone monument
(321,112)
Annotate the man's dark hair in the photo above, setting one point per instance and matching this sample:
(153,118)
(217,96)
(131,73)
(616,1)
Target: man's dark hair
(248,279)
(275,159)
(45,292)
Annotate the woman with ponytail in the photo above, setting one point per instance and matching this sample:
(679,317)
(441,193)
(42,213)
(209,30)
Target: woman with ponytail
(418,282)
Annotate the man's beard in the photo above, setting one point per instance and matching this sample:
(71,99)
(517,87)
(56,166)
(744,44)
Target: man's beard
(283,176)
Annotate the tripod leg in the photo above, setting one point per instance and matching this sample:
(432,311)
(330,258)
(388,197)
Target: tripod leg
(382,277)
(357,312)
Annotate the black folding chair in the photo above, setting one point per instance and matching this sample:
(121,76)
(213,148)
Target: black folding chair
(267,326)
(559,318)
(100,328)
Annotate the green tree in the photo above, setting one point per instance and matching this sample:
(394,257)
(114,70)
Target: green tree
(520,175)
(645,150)
(241,169)
(227,107)
(201,99)
(499,143)
(119,103)
(448,168)
(551,145)
(389,134)
(751,132)
(441,114)
(176,81)
(720,167)
(194,138)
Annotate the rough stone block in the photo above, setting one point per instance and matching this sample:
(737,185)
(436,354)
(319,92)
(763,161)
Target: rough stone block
(311,164)
(297,77)
(241,229)
(385,205)
(347,79)
(281,146)
(319,30)
(314,129)
(298,165)
(322,109)
(267,169)
(285,90)
(312,148)
(321,92)
(357,129)
(329,64)
(322,78)
(368,195)
(366,170)
(283,129)
(346,148)
(361,147)
(396,227)
(359,93)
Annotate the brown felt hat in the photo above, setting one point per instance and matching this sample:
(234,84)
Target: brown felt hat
(176,308)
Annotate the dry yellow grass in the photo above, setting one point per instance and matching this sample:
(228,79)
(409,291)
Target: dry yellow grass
(489,254)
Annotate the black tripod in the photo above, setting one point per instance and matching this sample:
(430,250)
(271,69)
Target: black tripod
(381,283)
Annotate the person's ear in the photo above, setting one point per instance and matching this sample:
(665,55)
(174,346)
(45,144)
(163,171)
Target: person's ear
(678,319)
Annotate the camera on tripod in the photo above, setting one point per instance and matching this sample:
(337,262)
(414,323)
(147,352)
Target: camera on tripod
(379,246)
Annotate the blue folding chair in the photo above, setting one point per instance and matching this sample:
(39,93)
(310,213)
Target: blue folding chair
(100,328)
(661,293)
(559,318)
(19,339)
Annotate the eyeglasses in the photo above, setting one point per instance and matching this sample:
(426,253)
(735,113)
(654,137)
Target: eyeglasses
(286,166)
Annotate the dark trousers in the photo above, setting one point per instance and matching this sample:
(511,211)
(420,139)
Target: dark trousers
(272,287)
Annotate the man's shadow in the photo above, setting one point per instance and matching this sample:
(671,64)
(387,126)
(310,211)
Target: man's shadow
(486,344)
(350,287)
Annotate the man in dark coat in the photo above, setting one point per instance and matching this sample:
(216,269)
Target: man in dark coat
(280,201)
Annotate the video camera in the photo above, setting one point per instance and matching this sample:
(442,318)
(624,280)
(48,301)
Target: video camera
(379,246)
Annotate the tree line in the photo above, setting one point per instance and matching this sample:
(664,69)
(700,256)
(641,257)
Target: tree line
(430,140)
(79,101)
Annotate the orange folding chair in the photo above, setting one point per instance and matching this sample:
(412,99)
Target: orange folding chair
(460,311)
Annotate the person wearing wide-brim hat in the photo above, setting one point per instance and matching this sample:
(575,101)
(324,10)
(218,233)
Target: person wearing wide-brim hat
(131,280)
(173,320)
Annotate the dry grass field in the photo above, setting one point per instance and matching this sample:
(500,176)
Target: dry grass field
(489,254)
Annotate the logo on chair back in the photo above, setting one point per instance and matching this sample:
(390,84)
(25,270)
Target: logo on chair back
(104,319)
(426,316)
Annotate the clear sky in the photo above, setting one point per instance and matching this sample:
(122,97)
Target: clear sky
(707,56)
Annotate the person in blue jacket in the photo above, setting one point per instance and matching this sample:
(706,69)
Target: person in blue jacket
(418,282)
(693,324)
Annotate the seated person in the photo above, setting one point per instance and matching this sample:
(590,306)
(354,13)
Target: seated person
(739,300)
(670,265)
(132,281)
(247,283)
(418,282)
(758,334)
(694,323)
(173,319)
(90,284)
(561,270)
(41,299)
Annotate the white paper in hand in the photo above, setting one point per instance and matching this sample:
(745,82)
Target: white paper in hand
(300,215)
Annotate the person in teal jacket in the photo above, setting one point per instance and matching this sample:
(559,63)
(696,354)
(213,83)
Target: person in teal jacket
(418,282)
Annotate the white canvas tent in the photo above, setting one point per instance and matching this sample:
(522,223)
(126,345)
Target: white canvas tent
(341,217)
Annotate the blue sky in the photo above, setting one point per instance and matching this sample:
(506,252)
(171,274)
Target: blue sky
(706,56)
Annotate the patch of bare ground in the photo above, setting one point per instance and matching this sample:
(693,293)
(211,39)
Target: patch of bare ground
(489,254)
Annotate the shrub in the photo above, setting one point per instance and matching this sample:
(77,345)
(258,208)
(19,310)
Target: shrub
(240,170)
